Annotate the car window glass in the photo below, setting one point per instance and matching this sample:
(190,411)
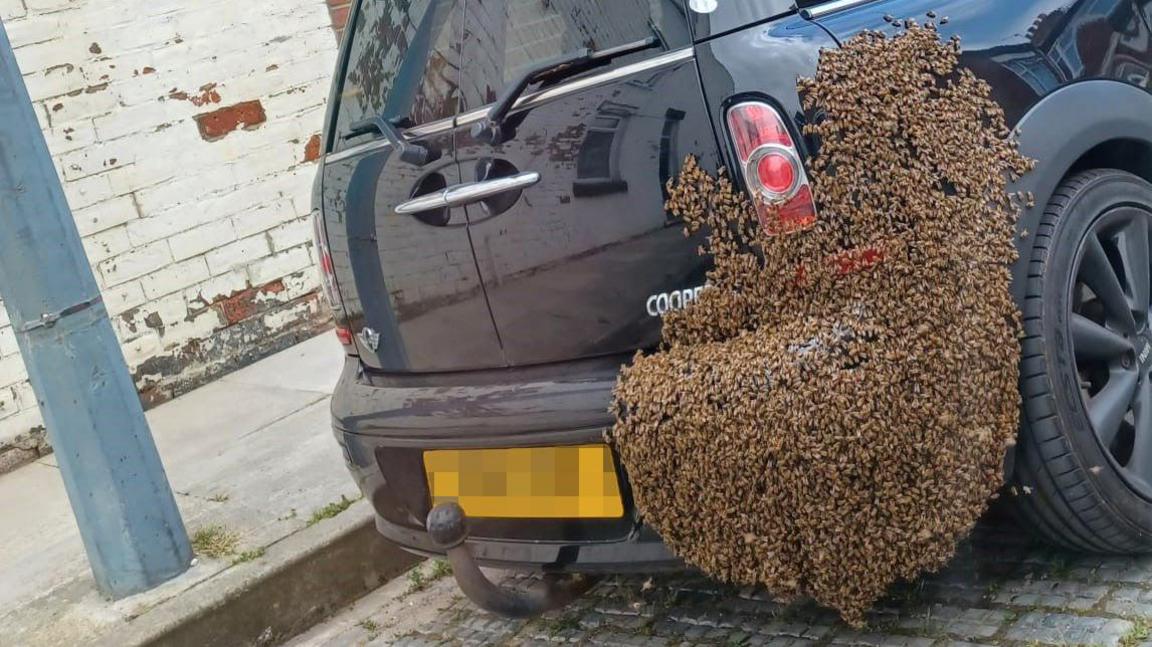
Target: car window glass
(403,62)
(503,38)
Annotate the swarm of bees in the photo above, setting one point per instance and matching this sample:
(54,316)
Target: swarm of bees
(826,432)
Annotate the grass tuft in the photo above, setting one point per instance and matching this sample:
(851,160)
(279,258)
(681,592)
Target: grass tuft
(215,541)
(331,510)
(418,580)
(1139,632)
(248,556)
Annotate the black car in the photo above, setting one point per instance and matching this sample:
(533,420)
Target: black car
(493,239)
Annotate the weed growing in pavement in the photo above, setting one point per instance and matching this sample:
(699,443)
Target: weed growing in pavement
(562,623)
(831,415)
(219,497)
(331,510)
(248,556)
(215,541)
(418,580)
(1140,631)
(369,625)
(440,568)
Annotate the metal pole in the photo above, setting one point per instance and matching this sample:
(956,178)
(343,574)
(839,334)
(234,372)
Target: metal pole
(119,492)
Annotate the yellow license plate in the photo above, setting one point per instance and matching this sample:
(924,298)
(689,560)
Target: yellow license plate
(527,482)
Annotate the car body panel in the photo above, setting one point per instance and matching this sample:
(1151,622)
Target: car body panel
(605,144)
(1070,74)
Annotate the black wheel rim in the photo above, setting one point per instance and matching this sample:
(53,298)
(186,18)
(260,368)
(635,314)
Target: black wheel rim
(1112,339)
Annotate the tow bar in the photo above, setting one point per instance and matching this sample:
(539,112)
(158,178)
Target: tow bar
(448,528)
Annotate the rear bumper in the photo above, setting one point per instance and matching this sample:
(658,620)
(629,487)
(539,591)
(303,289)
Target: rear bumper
(384,424)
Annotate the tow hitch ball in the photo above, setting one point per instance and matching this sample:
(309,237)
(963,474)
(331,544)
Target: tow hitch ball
(448,528)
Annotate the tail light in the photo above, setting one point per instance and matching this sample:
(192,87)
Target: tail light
(771,167)
(328,279)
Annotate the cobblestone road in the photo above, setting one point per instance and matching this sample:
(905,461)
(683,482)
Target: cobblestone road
(1002,589)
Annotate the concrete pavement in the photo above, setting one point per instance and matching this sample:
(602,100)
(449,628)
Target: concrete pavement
(251,455)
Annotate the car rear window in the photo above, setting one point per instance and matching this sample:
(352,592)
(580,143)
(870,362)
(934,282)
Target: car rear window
(403,62)
(502,38)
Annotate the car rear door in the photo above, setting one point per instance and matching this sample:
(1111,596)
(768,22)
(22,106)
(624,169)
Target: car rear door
(572,264)
(409,282)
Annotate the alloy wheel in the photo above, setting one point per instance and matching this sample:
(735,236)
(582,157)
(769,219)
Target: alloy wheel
(1112,339)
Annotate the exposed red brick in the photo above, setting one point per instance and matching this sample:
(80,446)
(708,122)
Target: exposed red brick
(275,287)
(95,49)
(239,306)
(208,94)
(245,304)
(339,17)
(312,149)
(148,70)
(218,123)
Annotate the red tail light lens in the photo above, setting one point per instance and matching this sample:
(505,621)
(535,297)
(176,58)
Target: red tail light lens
(776,173)
(771,168)
(328,277)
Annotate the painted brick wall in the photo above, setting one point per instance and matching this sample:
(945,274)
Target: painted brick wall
(185,135)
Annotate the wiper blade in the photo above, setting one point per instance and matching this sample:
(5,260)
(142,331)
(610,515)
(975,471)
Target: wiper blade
(493,129)
(410,152)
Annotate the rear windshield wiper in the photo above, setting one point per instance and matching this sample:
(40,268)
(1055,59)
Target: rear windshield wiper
(410,152)
(493,129)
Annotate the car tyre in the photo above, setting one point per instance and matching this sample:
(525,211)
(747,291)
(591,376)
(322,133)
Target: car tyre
(1082,474)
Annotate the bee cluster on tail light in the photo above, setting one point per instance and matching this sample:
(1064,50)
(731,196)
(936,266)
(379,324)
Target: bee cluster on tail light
(771,167)
(328,278)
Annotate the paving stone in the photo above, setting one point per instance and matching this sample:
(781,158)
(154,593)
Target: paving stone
(1051,593)
(880,640)
(1130,601)
(1064,629)
(1131,570)
(954,621)
(777,641)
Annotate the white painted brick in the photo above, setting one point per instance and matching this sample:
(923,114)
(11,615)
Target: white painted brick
(135,263)
(123,297)
(278,266)
(67,138)
(239,253)
(20,424)
(8,342)
(146,230)
(106,244)
(35,29)
(12,370)
(141,349)
(263,218)
(202,239)
(295,285)
(44,6)
(174,278)
(297,232)
(25,396)
(216,288)
(9,402)
(54,81)
(10,10)
(84,105)
(200,326)
(284,318)
(105,215)
(175,223)
(96,159)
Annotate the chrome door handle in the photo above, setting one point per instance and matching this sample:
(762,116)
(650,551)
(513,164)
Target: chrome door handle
(464,194)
